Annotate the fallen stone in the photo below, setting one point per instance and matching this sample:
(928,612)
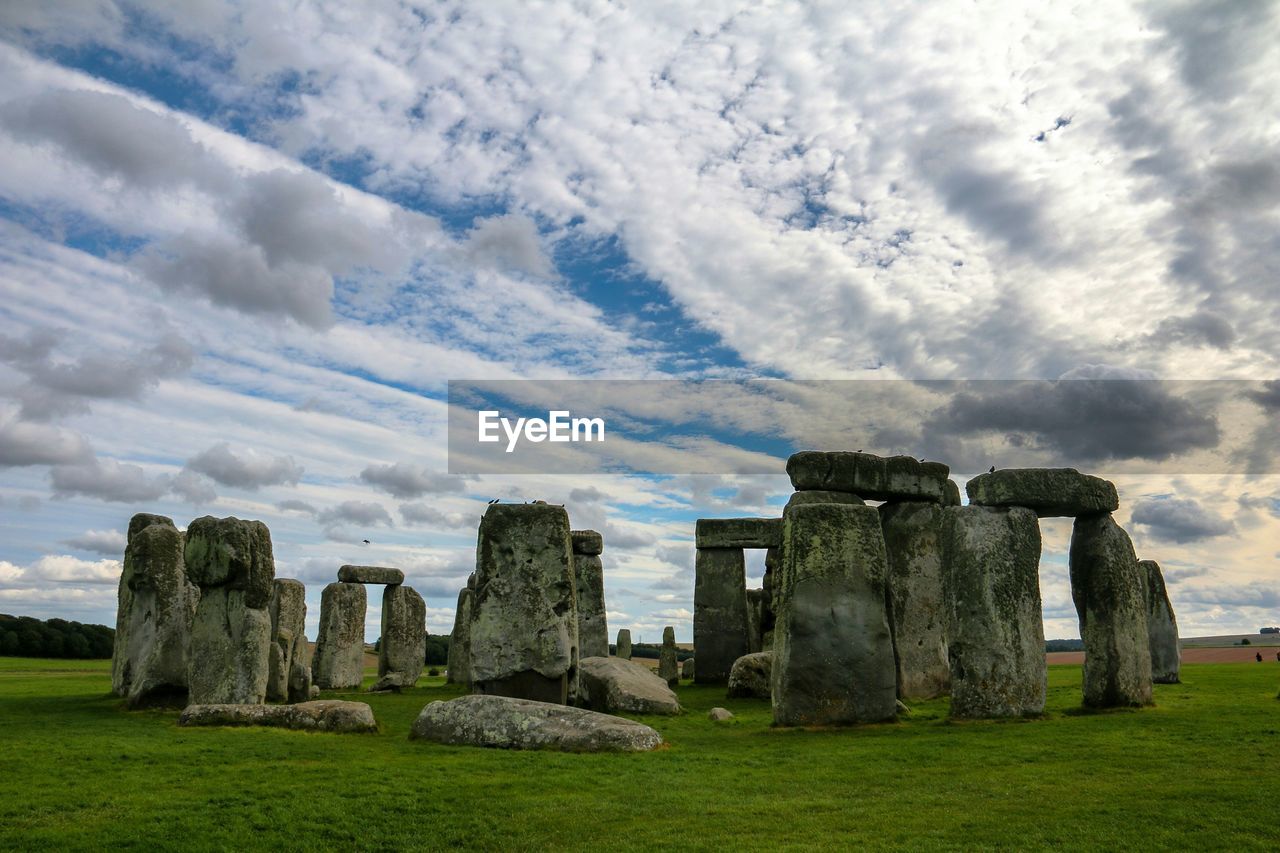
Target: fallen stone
(688,669)
(917,613)
(1109,592)
(327,715)
(877,478)
(460,640)
(720,622)
(995,634)
(1048,491)
(1162,627)
(588,542)
(403,648)
(314,692)
(668,665)
(623,648)
(371,575)
(338,661)
(288,611)
(738,532)
(752,676)
(902,707)
(833,654)
(593,628)
(720,715)
(505,722)
(615,685)
(822,496)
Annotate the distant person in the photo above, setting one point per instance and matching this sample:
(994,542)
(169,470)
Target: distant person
(1259,657)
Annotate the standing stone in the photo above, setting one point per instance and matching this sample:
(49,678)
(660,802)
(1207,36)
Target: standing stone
(524,620)
(338,663)
(832,651)
(403,647)
(668,668)
(231,561)
(917,615)
(1108,589)
(288,611)
(460,640)
(593,631)
(755,615)
(155,607)
(688,670)
(720,625)
(995,634)
(772,567)
(1162,627)
(624,644)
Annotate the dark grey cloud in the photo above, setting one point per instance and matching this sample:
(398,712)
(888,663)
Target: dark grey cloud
(194,488)
(108,543)
(1204,327)
(362,513)
(1178,520)
(622,537)
(1217,43)
(245,469)
(403,480)
(24,443)
(586,496)
(292,505)
(1232,595)
(1268,396)
(107,480)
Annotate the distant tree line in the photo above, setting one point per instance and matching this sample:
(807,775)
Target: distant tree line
(1064,645)
(437,649)
(23,636)
(1272,630)
(650,650)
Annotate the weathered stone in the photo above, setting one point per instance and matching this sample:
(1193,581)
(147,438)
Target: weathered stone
(995,635)
(752,676)
(917,613)
(1162,627)
(231,561)
(403,647)
(755,613)
(822,496)
(588,542)
(877,478)
(524,622)
(300,687)
(688,669)
(772,568)
(720,715)
(720,627)
(1108,589)
(371,575)
(668,667)
(615,685)
(288,611)
(833,655)
(593,629)
(738,532)
(623,648)
(508,723)
(460,640)
(328,715)
(471,581)
(1048,491)
(952,496)
(338,662)
(155,608)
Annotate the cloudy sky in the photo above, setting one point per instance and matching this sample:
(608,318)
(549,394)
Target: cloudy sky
(244,247)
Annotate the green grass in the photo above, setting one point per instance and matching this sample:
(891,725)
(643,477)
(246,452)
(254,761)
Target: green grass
(1197,771)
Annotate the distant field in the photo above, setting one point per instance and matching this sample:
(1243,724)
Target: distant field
(1194,772)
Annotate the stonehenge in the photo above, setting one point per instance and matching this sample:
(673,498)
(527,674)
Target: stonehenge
(403,646)
(1162,627)
(288,611)
(722,623)
(338,662)
(668,667)
(593,631)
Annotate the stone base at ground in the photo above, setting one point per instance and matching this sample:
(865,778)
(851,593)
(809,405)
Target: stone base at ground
(751,676)
(505,723)
(322,716)
(616,685)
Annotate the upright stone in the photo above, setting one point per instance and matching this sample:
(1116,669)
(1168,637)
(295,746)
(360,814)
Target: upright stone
(155,607)
(755,618)
(917,614)
(1108,589)
(460,640)
(338,663)
(720,624)
(524,622)
(231,561)
(1162,627)
(772,569)
(995,634)
(624,644)
(288,640)
(403,648)
(832,652)
(593,630)
(668,666)
(688,669)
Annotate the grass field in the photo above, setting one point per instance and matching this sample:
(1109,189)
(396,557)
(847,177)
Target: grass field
(1198,771)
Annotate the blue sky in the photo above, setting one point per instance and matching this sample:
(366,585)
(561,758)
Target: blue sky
(244,248)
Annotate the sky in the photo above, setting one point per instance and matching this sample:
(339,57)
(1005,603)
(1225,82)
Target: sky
(245,247)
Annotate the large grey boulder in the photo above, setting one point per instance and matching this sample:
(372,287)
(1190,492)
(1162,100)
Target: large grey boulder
(752,676)
(370,575)
(460,640)
(688,669)
(593,628)
(155,608)
(524,621)
(1162,627)
(832,651)
(720,624)
(668,665)
(615,685)
(508,723)
(877,478)
(403,648)
(288,610)
(1109,592)
(338,662)
(738,532)
(231,561)
(328,715)
(995,634)
(917,613)
(1048,491)
(623,648)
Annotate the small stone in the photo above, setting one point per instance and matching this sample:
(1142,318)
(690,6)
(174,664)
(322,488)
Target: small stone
(668,667)
(459,671)
(587,542)
(738,532)
(877,478)
(371,575)
(504,722)
(687,669)
(1048,491)
(615,685)
(329,715)
(752,676)
(1162,627)
(720,715)
(623,648)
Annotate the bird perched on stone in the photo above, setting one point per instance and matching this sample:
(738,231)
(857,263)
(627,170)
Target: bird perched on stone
(492,502)
(991,470)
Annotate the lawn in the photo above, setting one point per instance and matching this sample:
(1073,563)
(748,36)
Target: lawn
(1197,771)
